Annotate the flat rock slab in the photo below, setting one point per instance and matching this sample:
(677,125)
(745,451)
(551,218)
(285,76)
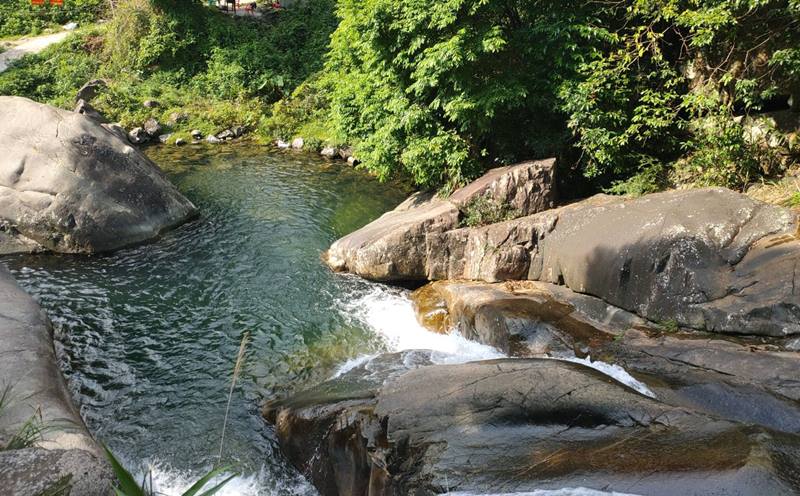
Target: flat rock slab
(520,425)
(70,185)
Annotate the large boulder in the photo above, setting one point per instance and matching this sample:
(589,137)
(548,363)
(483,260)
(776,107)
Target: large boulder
(708,259)
(72,186)
(65,452)
(505,426)
(393,247)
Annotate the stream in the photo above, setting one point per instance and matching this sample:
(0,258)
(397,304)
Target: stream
(147,337)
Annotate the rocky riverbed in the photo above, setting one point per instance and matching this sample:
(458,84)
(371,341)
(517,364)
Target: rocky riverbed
(691,292)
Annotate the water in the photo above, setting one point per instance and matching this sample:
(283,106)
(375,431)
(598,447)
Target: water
(147,337)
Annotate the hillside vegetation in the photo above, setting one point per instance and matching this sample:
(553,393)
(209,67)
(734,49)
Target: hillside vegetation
(632,96)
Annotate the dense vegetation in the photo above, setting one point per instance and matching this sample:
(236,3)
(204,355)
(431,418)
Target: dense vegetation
(19,17)
(217,70)
(633,96)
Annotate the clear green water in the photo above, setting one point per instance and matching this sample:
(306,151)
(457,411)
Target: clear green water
(148,335)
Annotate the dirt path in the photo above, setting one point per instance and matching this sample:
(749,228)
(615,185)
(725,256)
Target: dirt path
(29,45)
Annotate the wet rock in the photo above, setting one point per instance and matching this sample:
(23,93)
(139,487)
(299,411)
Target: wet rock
(744,382)
(196,134)
(90,90)
(345,153)
(298,143)
(520,425)
(137,136)
(152,127)
(163,138)
(238,131)
(523,318)
(394,247)
(226,135)
(352,161)
(708,259)
(83,189)
(329,152)
(282,145)
(180,142)
(212,139)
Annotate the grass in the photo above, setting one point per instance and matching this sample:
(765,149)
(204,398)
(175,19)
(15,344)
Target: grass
(31,431)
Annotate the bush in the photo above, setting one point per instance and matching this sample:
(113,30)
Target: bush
(483,210)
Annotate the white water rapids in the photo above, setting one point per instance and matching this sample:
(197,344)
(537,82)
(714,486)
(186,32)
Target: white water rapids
(389,314)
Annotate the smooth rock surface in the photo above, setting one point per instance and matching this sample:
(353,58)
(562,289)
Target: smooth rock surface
(394,247)
(75,187)
(520,425)
(751,382)
(709,259)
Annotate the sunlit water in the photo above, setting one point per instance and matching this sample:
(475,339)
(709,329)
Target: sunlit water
(148,336)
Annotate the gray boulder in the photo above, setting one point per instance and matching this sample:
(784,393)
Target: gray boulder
(137,136)
(394,247)
(153,128)
(329,152)
(515,426)
(226,135)
(82,189)
(212,139)
(90,90)
(708,259)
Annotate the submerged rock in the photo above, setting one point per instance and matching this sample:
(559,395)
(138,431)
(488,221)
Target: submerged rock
(394,247)
(520,425)
(75,187)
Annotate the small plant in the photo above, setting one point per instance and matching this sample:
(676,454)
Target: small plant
(30,432)
(484,210)
(670,326)
(127,485)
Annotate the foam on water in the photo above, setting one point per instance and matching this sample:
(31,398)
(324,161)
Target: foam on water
(615,372)
(389,313)
(168,481)
(567,491)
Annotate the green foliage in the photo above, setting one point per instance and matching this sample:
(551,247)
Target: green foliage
(437,90)
(31,430)
(127,485)
(483,210)
(54,75)
(19,17)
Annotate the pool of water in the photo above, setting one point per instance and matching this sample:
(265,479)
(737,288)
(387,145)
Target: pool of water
(148,336)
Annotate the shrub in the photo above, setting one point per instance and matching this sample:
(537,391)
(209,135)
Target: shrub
(483,210)
(19,17)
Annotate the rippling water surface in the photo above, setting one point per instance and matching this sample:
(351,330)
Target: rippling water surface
(148,335)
